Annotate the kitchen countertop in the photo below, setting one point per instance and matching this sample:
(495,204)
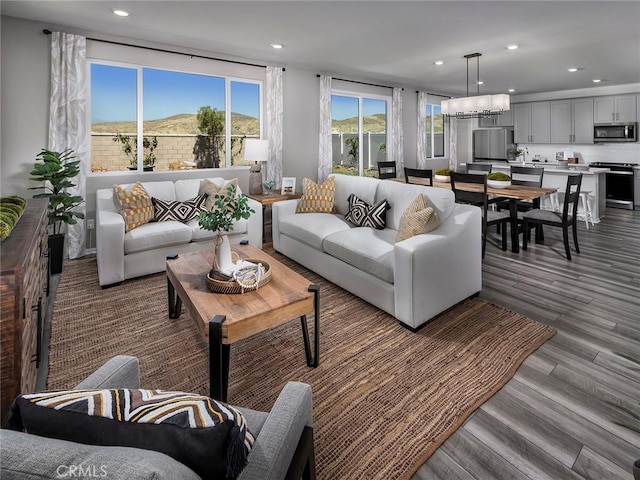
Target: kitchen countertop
(550,168)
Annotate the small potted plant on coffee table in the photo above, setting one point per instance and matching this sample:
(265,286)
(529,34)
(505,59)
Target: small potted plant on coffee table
(227,208)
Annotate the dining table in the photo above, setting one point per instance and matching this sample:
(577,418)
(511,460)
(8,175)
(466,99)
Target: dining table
(512,194)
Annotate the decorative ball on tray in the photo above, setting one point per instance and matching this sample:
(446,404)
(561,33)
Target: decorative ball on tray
(498,180)
(443,175)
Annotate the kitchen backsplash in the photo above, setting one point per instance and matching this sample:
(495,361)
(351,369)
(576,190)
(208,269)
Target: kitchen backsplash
(608,152)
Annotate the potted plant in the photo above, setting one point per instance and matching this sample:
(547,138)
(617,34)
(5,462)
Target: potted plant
(498,180)
(519,152)
(149,144)
(443,175)
(56,169)
(227,207)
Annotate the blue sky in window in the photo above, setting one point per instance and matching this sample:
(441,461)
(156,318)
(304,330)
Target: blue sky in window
(165,93)
(347,107)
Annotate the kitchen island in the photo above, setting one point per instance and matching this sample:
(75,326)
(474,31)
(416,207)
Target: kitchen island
(555,176)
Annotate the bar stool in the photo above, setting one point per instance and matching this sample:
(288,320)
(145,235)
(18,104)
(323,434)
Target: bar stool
(585,210)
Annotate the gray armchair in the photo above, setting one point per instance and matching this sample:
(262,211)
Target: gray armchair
(283,446)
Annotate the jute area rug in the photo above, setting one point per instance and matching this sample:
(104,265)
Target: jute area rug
(384,398)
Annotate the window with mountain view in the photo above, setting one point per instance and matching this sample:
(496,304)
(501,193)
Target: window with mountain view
(359,133)
(435,131)
(187,120)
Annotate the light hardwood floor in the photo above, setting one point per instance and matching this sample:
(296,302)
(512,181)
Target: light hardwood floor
(555,419)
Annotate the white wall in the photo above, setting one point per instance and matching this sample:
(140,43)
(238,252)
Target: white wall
(25,102)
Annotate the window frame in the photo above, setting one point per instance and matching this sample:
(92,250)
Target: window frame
(445,129)
(360,96)
(139,67)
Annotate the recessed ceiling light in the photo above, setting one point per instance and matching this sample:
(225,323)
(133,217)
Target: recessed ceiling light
(572,69)
(511,90)
(596,80)
(277,46)
(438,62)
(480,82)
(120,13)
(512,47)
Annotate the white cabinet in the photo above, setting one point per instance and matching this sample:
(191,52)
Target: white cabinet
(532,122)
(504,120)
(616,108)
(572,121)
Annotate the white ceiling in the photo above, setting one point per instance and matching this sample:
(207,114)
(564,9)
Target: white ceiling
(389,42)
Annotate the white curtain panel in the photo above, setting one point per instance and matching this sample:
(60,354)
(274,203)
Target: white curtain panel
(453,143)
(325,152)
(422,130)
(274,123)
(395,149)
(68,119)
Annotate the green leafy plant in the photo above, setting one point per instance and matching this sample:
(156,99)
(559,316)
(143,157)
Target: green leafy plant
(56,169)
(445,172)
(518,152)
(499,176)
(149,144)
(226,208)
(209,144)
(352,143)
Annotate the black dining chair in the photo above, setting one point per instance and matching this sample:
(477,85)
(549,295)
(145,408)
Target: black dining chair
(480,199)
(479,168)
(387,170)
(413,173)
(527,177)
(565,219)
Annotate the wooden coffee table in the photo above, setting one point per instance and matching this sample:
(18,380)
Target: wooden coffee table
(227,318)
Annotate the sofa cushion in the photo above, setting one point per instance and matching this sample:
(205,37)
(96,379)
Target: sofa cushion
(400,195)
(363,187)
(209,437)
(316,198)
(156,235)
(416,219)
(179,211)
(362,214)
(312,228)
(217,186)
(365,248)
(135,204)
(30,457)
(239,226)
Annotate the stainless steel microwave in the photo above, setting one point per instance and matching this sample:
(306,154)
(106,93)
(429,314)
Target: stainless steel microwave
(615,132)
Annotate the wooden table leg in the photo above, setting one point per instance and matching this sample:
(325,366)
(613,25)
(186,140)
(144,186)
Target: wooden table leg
(218,360)
(175,302)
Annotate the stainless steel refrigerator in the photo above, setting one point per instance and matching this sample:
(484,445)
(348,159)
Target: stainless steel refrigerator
(493,144)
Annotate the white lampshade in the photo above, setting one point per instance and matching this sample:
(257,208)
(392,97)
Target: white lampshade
(256,150)
(469,106)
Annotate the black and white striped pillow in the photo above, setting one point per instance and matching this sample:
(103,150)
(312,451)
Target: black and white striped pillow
(361,214)
(164,210)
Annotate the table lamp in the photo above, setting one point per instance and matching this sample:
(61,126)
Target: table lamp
(256,150)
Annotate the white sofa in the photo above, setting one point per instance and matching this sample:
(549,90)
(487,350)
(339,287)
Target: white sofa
(414,279)
(143,250)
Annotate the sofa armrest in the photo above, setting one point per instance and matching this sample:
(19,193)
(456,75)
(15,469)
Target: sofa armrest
(122,371)
(276,443)
(110,246)
(278,212)
(254,225)
(439,269)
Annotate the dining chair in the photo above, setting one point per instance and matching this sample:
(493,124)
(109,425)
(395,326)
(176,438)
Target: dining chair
(387,170)
(480,199)
(565,219)
(479,168)
(413,173)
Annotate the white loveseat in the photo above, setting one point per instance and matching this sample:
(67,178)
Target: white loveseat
(143,250)
(414,279)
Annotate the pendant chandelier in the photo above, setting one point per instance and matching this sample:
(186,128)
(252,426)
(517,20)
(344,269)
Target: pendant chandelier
(479,106)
